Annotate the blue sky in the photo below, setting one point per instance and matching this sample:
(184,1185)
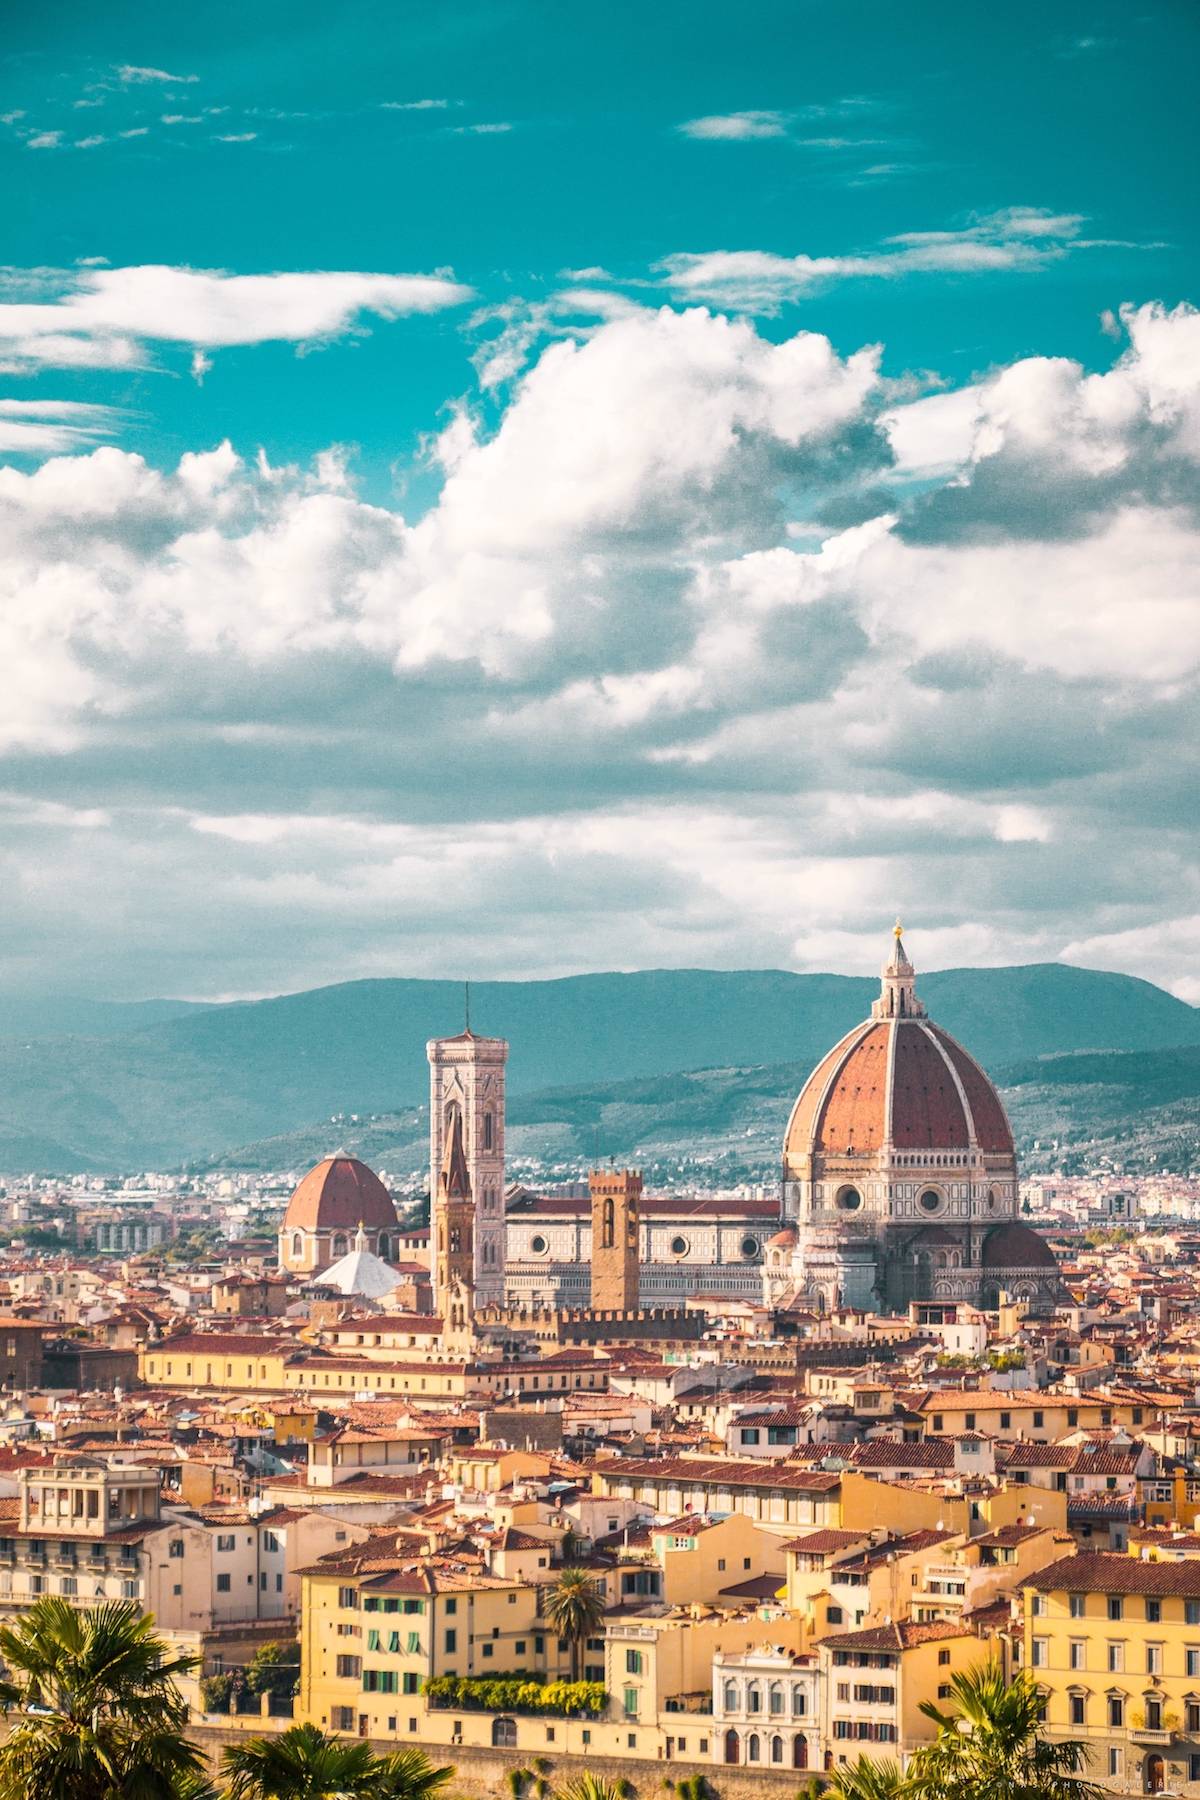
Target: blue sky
(698,479)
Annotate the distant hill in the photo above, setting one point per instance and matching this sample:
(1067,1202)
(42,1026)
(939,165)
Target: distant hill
(1139,1108)
(57,1015)
(218,1076)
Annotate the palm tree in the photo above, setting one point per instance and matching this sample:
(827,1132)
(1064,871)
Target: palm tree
(305,1763)
(866,1780)
(93,1707)
(409,1775)
(593,1787)
(991,1748)
(302,1763)
(575,1610)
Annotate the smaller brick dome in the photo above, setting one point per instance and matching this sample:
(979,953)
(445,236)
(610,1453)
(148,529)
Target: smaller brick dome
(340,1194)
(1014,1246)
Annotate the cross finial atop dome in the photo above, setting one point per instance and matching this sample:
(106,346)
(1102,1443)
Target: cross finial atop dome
(897,993)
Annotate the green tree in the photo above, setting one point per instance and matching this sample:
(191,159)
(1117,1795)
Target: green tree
(575,1610)
(867,1780)
(990,1745)
(93,1707)
(305,1763)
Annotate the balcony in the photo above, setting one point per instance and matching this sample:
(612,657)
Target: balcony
(1146,1734)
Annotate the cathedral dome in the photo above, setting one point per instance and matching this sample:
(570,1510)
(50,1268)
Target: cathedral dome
(897,1080)
(340,1194)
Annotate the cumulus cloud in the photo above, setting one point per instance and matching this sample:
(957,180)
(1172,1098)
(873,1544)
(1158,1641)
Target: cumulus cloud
(102,316)
(618,695)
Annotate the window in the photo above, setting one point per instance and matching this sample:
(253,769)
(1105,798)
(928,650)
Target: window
(1114,1762)
(1078,1606)
(1078,1710)
(1038,1606)
(348,1596)
(1191,1612)
(1193,1661)
(222,1584)
(1116,1607)
(225,1541)
(451,1642)
(1078,1657)
(1116,1658)
(631,1702)
(342,1718)
(1041,1652)
(412,1683)
(943,1659)
(380,1681)
(451,1605)
(1154,1659)
(349,1666)
(175,1547)
(834,1615)
(1154,1612)
(1072,1416)
(633,1662)
(1116,1711)
(1194,1767)
(1039,1420)
(944,1690)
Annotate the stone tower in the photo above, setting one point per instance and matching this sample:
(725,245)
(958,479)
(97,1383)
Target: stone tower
(616,1229)
(466,1081)
(453,1226)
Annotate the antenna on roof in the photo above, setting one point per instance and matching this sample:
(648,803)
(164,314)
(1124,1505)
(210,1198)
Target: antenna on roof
(466,1006)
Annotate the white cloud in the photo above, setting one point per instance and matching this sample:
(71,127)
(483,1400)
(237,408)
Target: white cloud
(237,137)
(1015,238)
(600,665)
(44,140)
(51,427)
(737,125)
(134,76)
(417,105)
(99,320)
(488,129)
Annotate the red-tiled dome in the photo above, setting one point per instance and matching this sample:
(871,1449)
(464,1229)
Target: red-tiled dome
(340,1194)
(897,1079)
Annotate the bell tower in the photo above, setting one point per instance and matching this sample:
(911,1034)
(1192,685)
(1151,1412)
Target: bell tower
(466,1082)
(616,1196)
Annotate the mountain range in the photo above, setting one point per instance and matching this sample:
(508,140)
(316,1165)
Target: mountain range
(163,1082)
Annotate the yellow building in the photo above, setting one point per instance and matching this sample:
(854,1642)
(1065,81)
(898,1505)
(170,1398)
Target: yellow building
(1114,1640)
(874,1682)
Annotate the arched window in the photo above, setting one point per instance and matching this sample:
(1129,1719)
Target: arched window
(297,1244)
(730,1696)
(799,1751)
(733,1752)
(775,1697)
(799,1705)
(777,1749)
(489,1128)
(338,1247)
(753,1698)
(608,1227)
(753,1748)
(383,1247)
